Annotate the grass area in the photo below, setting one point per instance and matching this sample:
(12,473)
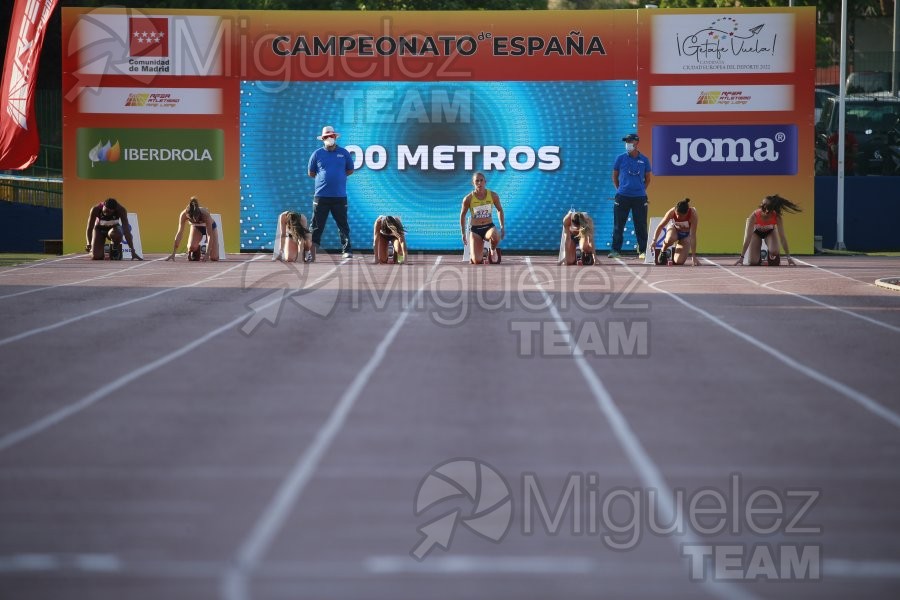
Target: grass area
(10,260)
(829,252)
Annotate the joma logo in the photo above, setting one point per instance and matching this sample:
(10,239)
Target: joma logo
(724,150)
(692,150)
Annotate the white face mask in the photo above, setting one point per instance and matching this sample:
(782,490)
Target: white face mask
(329,142)
(629,147)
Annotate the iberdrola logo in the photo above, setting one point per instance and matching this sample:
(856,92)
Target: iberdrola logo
(105,152)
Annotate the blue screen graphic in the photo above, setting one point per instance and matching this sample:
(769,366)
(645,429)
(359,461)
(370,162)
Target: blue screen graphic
(544,147)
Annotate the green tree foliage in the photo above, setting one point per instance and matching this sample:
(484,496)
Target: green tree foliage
(828,25)
(855,8)
(326,4)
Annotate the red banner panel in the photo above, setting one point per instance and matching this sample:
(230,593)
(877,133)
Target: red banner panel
(19,141)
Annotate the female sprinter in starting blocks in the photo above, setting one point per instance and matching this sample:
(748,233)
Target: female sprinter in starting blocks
(294,240)
(681,235)
(109,219)
(579,235)
(761,225)
(389,240)
(201,223)
(481,202)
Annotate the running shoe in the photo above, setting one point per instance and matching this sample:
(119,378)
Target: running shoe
(613,254)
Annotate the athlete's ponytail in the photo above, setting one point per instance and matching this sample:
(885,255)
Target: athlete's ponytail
(193,209)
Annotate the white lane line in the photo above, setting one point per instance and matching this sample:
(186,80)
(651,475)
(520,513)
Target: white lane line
(95,563)
(823,269)
(647,470)
(70,320)
(29,563)
(863,400)
(863,569)
(38,263)
(89,563)
(235,583)
(59,285)
(839,309)
(14,437)
(490,565)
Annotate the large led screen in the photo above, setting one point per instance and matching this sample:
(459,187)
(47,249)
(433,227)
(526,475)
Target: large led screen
(544,147)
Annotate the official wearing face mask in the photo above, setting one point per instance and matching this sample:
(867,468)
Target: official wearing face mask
(330,165)
(631,176)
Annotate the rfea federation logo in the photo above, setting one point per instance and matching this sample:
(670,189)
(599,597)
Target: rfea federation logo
(724,97)
(148,36)
(137,99)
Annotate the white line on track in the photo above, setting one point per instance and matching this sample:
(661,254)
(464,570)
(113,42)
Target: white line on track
(803,262)
(35,563)
(863,400)
(64,322)
(38,263)
(866,569)
(59,285)
(491,565)
(845,311)
(96,564)
(234,585)
(14,437)
(647,470)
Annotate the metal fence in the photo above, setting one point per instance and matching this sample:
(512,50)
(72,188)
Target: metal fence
(867,73)
(41,183)
(36,191)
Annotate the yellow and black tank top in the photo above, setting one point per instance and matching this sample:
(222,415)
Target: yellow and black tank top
(481,208)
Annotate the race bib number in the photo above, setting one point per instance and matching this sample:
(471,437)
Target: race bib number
(483,211)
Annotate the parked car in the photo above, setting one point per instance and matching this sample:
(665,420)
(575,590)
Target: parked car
(865,82)
(872,136)
(821,96)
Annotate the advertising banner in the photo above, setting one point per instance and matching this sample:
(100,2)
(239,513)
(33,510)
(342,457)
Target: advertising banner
(726,102)
(150,153)
(227,105)
(19,142)
(417,145)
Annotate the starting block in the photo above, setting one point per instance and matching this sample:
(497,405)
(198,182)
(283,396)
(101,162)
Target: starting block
(561,259)
(277,248)
(217,218)
(466,244)
(278,251)
(656,244)
(467,248)
(763,248)
(467,252)
(135,236)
